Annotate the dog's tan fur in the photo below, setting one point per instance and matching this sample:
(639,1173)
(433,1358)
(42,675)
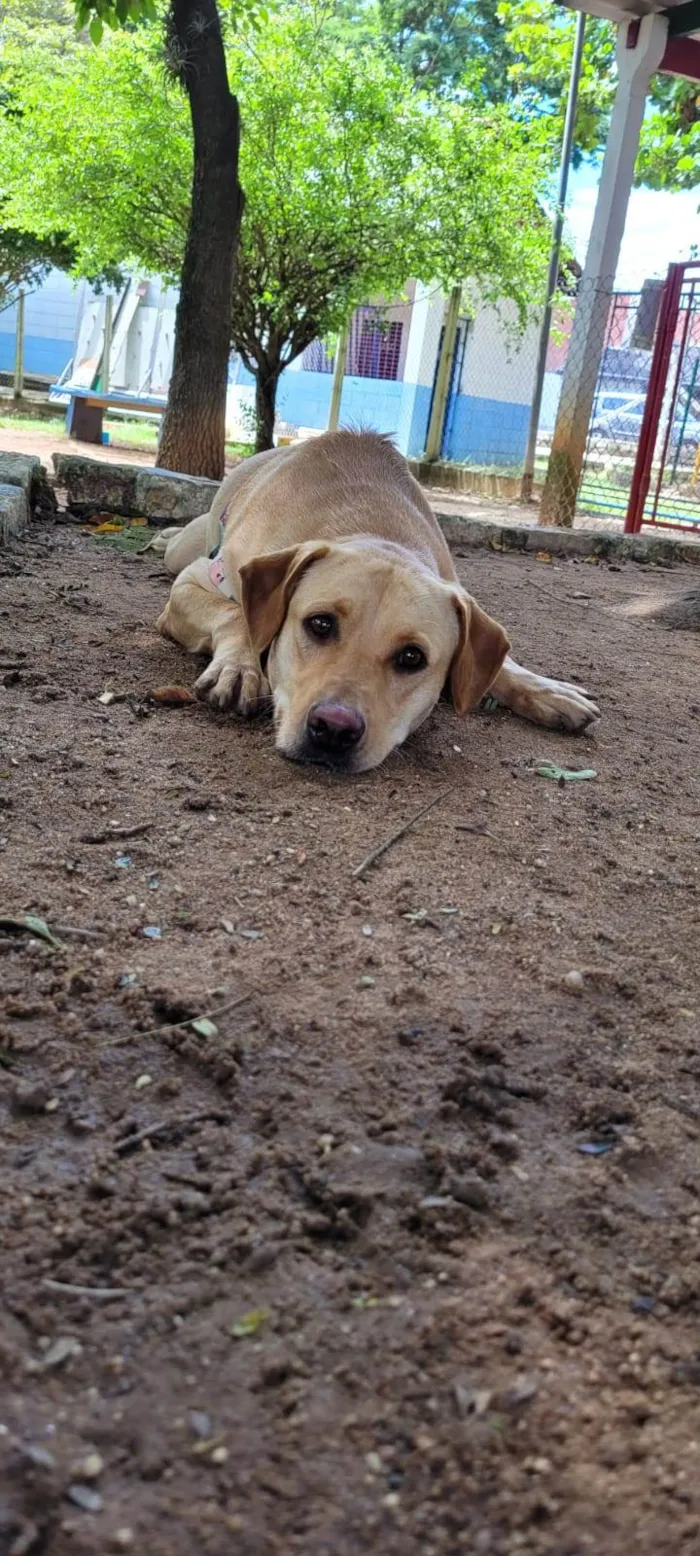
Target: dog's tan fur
(338,525)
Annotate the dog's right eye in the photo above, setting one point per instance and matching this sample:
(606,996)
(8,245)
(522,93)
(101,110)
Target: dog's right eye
(321,626)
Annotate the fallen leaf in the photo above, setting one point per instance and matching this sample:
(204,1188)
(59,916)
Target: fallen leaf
(250,1323)
(563,774)
(204,1027)
(543,556)
(29,925)
(172,696)
(107,529)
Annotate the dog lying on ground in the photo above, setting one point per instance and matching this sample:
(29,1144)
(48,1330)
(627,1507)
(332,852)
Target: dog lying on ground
(321,574)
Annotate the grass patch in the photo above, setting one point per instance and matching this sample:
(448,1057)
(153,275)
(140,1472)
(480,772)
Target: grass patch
(122,434)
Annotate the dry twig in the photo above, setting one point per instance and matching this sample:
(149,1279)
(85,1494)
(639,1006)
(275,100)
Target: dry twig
(376,853)
(110,832)
(101,1293)
(168,1125)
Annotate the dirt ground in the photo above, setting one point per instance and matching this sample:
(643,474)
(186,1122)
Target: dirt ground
(401,1253)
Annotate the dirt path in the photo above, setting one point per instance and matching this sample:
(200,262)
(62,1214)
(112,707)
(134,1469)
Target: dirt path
(43,444)
(469,1336)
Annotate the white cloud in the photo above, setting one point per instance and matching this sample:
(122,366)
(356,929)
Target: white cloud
(660,228)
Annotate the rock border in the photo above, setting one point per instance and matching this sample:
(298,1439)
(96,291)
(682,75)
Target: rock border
(663,550)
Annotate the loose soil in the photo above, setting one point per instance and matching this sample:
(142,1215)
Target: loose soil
(401,1255)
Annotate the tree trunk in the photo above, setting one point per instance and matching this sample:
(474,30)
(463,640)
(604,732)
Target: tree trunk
(192,436)
(266,381)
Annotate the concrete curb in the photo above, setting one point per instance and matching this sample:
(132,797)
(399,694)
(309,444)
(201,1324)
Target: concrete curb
(528,539)
(132,491)
(14,513)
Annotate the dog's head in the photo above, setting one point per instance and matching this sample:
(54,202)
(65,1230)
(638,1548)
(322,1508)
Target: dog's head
(362,638)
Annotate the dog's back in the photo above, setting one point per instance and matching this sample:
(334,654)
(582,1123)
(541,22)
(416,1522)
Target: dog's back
(340,484)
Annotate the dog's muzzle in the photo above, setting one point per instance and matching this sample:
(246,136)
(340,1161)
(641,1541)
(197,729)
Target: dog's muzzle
(332,733)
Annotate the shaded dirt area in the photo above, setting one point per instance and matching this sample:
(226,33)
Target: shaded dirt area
(334,1274)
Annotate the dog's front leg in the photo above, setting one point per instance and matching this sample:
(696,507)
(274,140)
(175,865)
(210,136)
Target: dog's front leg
(556,704)
(204,621)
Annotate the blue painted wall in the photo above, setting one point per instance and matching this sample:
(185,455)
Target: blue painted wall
(487,432)
(384,405)
(479,431)
(41,354)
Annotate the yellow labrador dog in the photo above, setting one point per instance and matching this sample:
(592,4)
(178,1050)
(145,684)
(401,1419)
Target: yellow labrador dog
(321,575)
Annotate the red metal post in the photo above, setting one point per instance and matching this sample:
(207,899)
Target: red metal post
(674,397)
(658,373)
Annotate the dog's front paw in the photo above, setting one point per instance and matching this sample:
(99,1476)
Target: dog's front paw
(561,705)
(229,684)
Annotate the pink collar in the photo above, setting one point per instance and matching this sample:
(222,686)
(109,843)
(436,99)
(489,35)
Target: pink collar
(217,573)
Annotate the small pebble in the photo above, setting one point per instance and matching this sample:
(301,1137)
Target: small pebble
(31,1097)
(367,929)
(83,1496)
(374,1463)
(573,981)
(89,1468)
(62,1350)
(219,1455)
(142,1081)
(469,1190)
(122,1539)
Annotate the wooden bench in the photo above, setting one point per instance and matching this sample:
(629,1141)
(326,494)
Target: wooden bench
(86,408)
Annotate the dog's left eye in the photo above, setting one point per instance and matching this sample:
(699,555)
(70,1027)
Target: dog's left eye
(410,659)
(321,626)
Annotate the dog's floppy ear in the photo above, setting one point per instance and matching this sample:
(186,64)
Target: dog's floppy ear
(267,585)
(481,650)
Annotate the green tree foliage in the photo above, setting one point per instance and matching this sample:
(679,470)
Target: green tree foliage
(669,156)
(25,257)
(354,181)
(540,38)
(437,41)
(519,52)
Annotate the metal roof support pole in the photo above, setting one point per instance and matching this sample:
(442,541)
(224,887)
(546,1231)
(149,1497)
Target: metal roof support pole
(528,475)
(640,49)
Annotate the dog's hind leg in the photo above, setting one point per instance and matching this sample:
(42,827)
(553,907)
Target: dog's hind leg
(186,544)
(204,621)
(556,704)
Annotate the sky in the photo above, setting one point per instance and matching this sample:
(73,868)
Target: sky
(660,227)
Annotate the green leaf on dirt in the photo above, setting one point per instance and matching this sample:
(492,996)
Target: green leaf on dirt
(250,1323)
(204,1027)
(30,925)
(563,774)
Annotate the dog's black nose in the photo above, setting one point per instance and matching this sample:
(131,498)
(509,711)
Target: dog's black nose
(333,726)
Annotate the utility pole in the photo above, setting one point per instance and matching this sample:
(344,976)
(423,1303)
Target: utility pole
(528,475)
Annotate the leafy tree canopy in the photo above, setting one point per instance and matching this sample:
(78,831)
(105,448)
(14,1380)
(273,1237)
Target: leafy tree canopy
(519,52)
(353,180)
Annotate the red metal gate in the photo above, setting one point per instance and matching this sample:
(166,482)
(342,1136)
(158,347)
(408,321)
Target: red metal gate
(665,486)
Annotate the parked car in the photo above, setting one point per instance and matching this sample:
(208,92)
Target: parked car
(618,417)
